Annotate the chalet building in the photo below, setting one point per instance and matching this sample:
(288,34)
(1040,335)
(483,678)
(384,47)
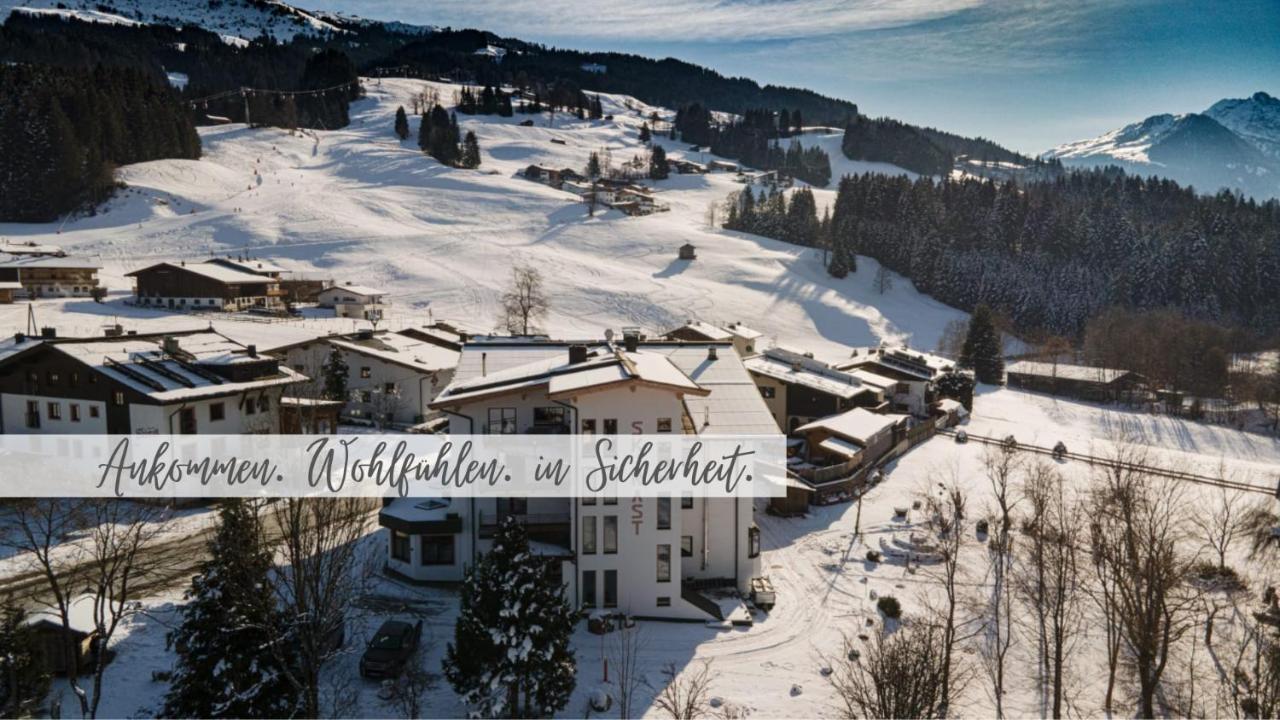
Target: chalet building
(309,416)
(51,276)
(444,333)
(31,249)
(699,331)
(391,376)
(686,167)
(913,374)
(205,286)
(180,383)
(354,301)
(723,166)
(552,177)
(799,389)
(662,565)
(840,451)
(688,252)
(746,341)
(1077,381)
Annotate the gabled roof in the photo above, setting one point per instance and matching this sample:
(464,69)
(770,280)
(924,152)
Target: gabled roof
(51,262)
(794,368)
(257,267)
(1064,371)
(399,349)
(706,330)
(364,290)
(213,271)
(858,425)
(922,365)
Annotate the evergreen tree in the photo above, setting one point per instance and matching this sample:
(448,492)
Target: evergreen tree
(424,132)
(840,261)
(593,165)
(402,124)
(658,163)
(982,350)
(470,151)
(23,681)
(223,669)
(644,133)
(510,656)
(957,386)
(335,376)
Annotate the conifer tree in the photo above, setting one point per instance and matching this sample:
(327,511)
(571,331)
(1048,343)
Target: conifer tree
(593,165)
(957,386)
(982,350)
(335,376)
(840,261)
(644,133)
(510,656)
(23,681)
(470,151)
(658,163)
(402,124)
(223,668)
(424,132)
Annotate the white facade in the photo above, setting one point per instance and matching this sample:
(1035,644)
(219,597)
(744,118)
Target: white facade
(353,301)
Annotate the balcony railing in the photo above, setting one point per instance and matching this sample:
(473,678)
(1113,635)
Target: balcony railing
(491,520)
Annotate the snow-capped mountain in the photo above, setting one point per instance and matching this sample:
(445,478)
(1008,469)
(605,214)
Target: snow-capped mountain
(1235,144)
(235,20)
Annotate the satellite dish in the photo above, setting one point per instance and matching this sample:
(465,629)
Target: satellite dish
(608,335)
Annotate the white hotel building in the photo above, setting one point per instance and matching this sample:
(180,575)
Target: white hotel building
(646,557)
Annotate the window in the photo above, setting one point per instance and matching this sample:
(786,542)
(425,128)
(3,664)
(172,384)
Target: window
(548,416)
(33,414)
(588,535)
(768,393)
(753,542)
(437,549)
(187,421)
(902,388)
(399,546)
(686,546)
(299,367)
(55,411)
(664,601)
(664,425)
(52,377)
(589,427)
(366,396)
(93,411)
(502,421)
(664,563)
(75,379)
(366,372)
(686,501)
(611,498)
(389,388)
(664,513)
(590,500)
(217,411)
(610,426)
(610,534)
(588,588)
(75,412)
(264,403)
(250,407)
(611,588)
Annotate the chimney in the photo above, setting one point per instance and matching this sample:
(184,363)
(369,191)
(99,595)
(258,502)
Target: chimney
(48,333)
(631,342)
(170,345)
(19,338)
(253,351)
(577,354)
(711,353)
(484,364)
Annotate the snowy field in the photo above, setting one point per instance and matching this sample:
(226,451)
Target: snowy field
(358,205)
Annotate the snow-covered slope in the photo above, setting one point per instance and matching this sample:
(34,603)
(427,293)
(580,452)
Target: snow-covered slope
(241,20)
(1255,118)
(359,205)
(1233,145)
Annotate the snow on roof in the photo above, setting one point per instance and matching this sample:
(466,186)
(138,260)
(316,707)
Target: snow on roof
(911,362)
(401,350)
(840,446)
(142,364)
(1066,372)
(793,368)
(30,248)
(80,615)
(418,509)
(742,331)
(707,330)
(256,267)
(213,271)
(50,262)
(857,424)
(355,290)
(949,405)
(6,285)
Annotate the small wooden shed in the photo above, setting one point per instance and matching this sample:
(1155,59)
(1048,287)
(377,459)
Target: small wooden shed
(688,252)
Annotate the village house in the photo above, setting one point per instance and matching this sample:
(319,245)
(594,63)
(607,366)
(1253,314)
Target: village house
(205,286)
(664,565)
(391,376)
(31,248)
(354,301)
(685,167)
(913,374)
(553,177)
(51,276)
(799,389)
(178,383)
(1077,381)
(840,451)
(723,166)
(746,341)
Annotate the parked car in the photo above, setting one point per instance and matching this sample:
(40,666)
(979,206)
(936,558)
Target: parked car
(391,647)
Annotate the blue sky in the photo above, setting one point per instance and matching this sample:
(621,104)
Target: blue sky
(1029,74)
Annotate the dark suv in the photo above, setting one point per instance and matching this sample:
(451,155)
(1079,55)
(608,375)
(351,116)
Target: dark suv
(393,644)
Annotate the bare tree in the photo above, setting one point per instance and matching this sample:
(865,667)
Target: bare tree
(951,342)
(408,692)
(1220,525)
(625,648)
(944,519)
(712,208)
(324,572)
(1000,462)
(901,675)
(525,302)
(98,552)
(684,695)
(1139,527)
(1253,684)
(884,281)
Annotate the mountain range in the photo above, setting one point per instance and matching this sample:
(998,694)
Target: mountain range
(1234,144)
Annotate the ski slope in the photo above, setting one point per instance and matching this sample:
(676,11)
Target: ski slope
(357,204)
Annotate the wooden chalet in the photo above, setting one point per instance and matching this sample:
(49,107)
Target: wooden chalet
(205,286)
